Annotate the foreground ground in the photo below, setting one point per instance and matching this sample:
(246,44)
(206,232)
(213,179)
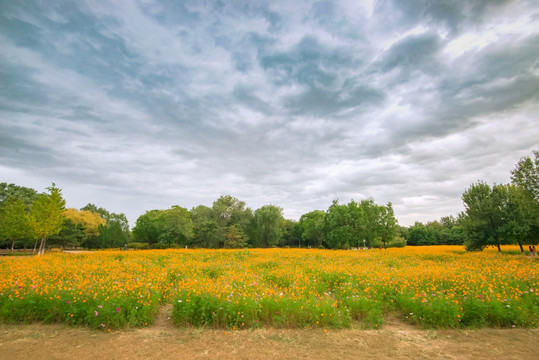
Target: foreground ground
(396,340)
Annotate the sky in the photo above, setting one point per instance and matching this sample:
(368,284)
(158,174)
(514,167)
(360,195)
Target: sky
(140,105)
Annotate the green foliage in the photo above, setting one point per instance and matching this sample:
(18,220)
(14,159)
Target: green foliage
(358,224)
(267,224)
(292,232)
(499,215)
(235,238)
(164,228)
(26,195)
(71,235)
(312,224)
(526,174)
(114,234)
(14,221)
(46,215)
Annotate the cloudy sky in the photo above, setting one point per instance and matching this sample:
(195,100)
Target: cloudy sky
(139,105)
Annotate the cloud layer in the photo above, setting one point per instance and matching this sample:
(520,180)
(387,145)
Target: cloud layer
(136,105)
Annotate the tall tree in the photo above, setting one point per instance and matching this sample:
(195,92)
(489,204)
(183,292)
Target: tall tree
(206,232)
(520,216)
(312,225)
(235,238)
(14,221)
(175,226)
(339,229)
(147,227)
(115,233)
(267,225)
(526,174)
(388,224)
(27,195)
(71,235)
(483,219)
(91,221)
(164,228)
(47,215)
(292,231)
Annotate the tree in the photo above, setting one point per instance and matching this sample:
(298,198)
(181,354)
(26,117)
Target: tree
(47,215)
(338,226)
(90,221)
(292,231)
(175,226)
(483,219)
(388,224)
(267,226)
(520,216)
(14,222)
(418,234)
(71,235)
(312,225)
(227,211)
(27,195)
(370,221)
(235,238)
(115,233)
(206,232)
(526,174)
(164,227)
(147,227)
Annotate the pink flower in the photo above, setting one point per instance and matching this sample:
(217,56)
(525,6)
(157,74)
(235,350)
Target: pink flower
(118,310)
(96,313)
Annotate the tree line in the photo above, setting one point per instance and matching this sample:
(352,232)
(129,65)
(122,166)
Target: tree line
(492,216)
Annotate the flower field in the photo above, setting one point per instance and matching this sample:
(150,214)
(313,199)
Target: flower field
(435,287)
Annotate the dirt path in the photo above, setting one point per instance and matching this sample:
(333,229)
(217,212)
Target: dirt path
(396,340)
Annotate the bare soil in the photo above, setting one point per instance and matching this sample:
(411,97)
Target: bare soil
(396,340)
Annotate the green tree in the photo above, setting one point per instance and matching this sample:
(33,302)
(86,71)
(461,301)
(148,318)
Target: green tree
(27,195)
(419,234)
(235,238)
(115,233)
(338,226)
(47,215)
(206,232)
(147,227)
(227,211)
(484,215)
(164,228)
(14,221)
(526,174)
(292,231)
(72,235)
(175,227)
(520,216)
(388,224)
(312,225)
(267,226)
(369,221)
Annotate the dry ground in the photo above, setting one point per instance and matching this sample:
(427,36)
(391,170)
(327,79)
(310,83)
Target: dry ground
(396,340)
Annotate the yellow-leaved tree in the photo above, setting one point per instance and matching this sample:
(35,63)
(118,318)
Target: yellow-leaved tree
(88,219)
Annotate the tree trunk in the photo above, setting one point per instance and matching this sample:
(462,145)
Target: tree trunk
(521,248)
(35,246)
(12,244)
(42,246)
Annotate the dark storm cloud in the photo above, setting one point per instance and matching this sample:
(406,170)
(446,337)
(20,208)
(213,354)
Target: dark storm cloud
(452,14)
(143,104)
